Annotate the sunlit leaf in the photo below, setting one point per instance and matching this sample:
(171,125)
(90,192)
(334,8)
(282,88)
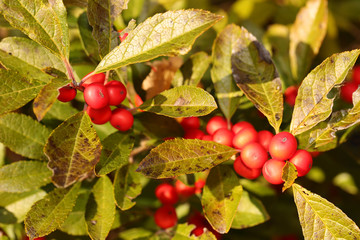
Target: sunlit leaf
(89,44)
(195,67)
(183,232)
(346,182)
(289,174)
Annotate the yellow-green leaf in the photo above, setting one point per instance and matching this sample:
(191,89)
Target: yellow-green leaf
(194,68)
(289,175)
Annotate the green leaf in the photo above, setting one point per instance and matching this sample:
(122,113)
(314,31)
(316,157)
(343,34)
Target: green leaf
(306,36)
(135,233)
(221,72)
(183,232)
(250,212)
(183,101)
(23,135)
(221,197)
(100,210)
(23,176)
(101,15)
(289,175)
(127,186)
(115,153)
(48,214)
(44,22)
(164,34)
(313,105)
(183,156)
(320,219)
(256,75)
(195,67)
(61,111)
(73,149)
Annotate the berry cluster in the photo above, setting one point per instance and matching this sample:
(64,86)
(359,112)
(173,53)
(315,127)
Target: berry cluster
(350,87)
(99,96)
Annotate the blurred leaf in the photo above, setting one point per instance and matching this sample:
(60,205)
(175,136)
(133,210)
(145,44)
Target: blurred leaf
(127,186)
(259,188)
(48,214)
(320,219)
(89,44)
(78,3)
(170,33)
(250,212)
(289,175)
(221,197)
(44,22)
(73,149)
(115,153)
(184,101)
(23,135)
(255,74)
(2,154)
(195,67)
(100,210)
(313,104)
(135,233)
(183,156)
(101,15)
(306,36)
(23,176)
(61,111)
(221,71)
(346,182)
(183,232)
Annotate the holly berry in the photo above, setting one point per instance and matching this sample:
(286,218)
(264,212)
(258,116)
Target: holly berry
(96,95)
(199,185)
(215,123)
(66,93)
(190,123)
(237,127)
(347,90)
(116,91)
(264,138)
(184,190)
(244,137)
(121,119)
(165,216)
(166,193)
(356,74)
(282,146)
(96,78)
(272,171)
(302,160)
(223,136)
(290,95)
(99,116)
(244,171)
(254,155)
(194,134)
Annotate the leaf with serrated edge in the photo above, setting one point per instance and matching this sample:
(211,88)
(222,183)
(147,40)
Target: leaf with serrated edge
(183,156)
(221,197)
(89,44)
(221,72)
(23,135)
(250,212)
(312,104)
(164,34)
(183,232)
(306,36)
(195,67)
(320,219)
(73,149)
(183,101)
(256,75)
(289,175)
(100,209)
(24,176)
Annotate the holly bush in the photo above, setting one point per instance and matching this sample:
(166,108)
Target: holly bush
(140,169)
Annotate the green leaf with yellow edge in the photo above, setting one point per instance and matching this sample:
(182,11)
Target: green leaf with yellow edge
(221,197)
(306,36)
(183,156)
(195,67)
(127,186)
(183,232)
(44,22)
(164,34)
(23,135)
(73,149)
(23,176)
(320,219)
(100,209)
(250,212)
(256,75)
(48,214)
(289,175)
(89,44)
(221,72)
(115,153)
(183,101)
(313,103)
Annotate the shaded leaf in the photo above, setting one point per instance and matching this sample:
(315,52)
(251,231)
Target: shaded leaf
(313,105)
(61,111)
(89,44)
(73,149)
(320,219)
(183,156)
(259,188)
(135,233)
(183,101)
(289,175)
(183,233)
(256,75)
(170,33)
(346,182)
(48,214)
(195,67)
(23,135)
(221,197)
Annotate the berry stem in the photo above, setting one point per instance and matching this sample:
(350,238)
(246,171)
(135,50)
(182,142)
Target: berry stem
(70,72)
(107,77)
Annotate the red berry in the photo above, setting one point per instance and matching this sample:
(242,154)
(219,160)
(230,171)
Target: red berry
(116,91)
(165,216)
(356,74)
(66,93)
(240,126)
(282,146)
(99,116)
(166,193)
(254,155)
(244,137)
(198,231)
(272,171)
(184,190)
(290,95)
(121,119)
(315,154)
(265,137)
(96,78)
(39,238)
(241,169)
(347,91)
(207,138)
(223,136)
(96,95)
(303,162)
(199,185)
(190,123)
(215,123)
(194,134)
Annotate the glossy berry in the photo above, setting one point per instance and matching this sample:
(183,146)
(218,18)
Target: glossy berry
(237,127)
(302,160)
(165,216)
(96,78)
(223,136)
(290,95)
(166,193)
(282,146)
(356,74)
(121,119)
(207,138)
(254,155)
(116,91)
(244,137)
(184,190)
(190,123)
(241,169)
(272,171)
(264,138)
(347,91)
(194,134)
(99,116)
(215,123)
(96,95)
(66,94)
